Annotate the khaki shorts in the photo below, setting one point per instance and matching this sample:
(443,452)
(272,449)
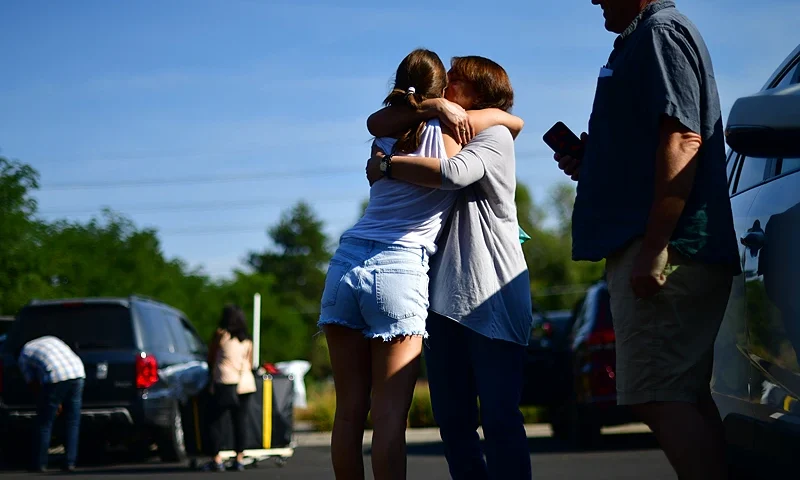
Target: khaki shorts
(665,343)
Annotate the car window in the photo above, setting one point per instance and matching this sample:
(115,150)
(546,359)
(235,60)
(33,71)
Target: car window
(790,77)
(156,334)
(196,345)
(788,165)
(731,163)
(580,317)
(82,326)
(181,343)
(752,172)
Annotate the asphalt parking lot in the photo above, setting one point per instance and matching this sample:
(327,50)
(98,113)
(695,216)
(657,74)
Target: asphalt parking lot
(632,454)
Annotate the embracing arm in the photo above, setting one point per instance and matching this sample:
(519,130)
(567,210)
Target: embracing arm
(489,117)
(456,172)
(389,121)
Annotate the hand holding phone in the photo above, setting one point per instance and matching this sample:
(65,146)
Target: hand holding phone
(561,139)
(568,147)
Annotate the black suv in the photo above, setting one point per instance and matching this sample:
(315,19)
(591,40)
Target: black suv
(144,361)
(756,379)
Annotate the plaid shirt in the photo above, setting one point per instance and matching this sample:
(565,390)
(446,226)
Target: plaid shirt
(49,360)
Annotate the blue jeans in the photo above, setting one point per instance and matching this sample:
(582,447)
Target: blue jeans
(68,393)
(463,367)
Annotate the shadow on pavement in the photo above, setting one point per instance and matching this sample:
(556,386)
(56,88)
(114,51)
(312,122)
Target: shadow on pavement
(608,443)
(144,469)
(108,463)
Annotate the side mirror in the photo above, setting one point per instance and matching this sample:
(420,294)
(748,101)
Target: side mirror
(766,124)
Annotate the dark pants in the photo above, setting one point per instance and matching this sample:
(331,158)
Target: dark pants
(219,418)
(68,393)
(463,368)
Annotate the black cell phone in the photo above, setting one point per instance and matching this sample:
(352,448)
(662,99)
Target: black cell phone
(563,141)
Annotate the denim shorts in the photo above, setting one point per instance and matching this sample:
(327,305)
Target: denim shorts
(378,289)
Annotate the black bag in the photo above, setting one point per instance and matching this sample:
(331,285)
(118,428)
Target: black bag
(225,396)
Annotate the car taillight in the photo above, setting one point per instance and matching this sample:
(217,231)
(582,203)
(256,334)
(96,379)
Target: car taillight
(547,329)
(601,337)
(146,370)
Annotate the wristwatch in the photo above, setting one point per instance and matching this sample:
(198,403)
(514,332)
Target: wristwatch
(386,166)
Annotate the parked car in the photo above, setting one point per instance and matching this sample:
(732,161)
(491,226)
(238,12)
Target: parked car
(546,369)
(591,402)
(143,362)
(756,376)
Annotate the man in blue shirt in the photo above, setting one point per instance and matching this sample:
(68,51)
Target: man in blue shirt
(56,375)
(652,201)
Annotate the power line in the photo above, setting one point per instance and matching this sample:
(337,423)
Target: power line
(191,206)
(199,179)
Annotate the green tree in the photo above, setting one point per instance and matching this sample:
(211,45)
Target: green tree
(556,281)
(299,261)
(299,256)
(19,235)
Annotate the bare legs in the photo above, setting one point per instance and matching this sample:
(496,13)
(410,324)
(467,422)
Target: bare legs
(352,375)
(691,436)
(387,370)
(395,367)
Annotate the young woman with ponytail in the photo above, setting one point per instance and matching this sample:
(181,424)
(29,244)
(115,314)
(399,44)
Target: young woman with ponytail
(375,302)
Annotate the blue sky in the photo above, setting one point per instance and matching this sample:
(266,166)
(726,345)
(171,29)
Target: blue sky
(270,98)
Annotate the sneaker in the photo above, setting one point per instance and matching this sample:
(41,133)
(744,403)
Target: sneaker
(213,467)
(239,467)
(69,469)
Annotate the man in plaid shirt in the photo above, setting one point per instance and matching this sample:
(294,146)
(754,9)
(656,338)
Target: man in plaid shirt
(56,374)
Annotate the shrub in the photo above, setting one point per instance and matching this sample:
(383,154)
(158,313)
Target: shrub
(421,414)
(322,407)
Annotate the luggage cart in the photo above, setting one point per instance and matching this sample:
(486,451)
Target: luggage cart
(270,431)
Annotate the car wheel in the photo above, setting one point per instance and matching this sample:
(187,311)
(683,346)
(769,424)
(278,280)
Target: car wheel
(172,444)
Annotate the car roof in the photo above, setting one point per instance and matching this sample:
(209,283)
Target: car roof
(94,300)
(125,302)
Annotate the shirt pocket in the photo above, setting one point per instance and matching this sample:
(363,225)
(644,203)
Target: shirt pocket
(337,269)
(605,97)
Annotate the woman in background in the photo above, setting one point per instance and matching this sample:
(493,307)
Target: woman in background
(230,356)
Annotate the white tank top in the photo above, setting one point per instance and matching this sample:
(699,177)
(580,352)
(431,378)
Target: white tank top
(400,213)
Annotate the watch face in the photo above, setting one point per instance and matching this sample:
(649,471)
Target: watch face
(383,165)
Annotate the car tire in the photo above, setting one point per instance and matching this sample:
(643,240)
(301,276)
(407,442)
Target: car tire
(171,442)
